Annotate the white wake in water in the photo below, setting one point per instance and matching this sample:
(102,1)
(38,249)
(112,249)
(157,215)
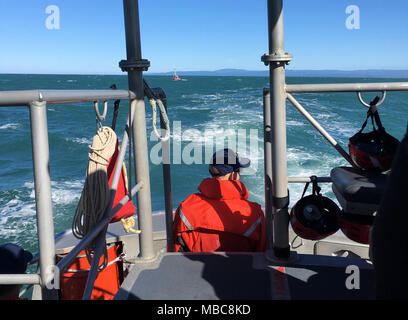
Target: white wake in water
(9,126)
(18,215)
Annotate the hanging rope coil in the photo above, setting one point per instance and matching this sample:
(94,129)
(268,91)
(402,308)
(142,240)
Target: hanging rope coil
(154,103)
(95,196)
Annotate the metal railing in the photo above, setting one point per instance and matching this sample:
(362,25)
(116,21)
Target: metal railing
(347,87)
(37,101)
(276,179)
(280,229)
(23,98)
(338,87)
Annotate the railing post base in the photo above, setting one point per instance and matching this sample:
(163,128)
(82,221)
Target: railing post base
(271,257)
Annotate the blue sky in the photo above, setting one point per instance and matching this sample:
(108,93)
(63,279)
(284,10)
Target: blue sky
(200,35)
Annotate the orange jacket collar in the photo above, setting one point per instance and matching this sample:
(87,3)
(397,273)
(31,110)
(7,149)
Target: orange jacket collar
(214,188)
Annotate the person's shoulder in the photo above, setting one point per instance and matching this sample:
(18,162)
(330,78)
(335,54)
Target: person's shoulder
(194,197)
(255,205)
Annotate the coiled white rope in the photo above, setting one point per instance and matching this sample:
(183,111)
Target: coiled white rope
(154,103)
(95,196)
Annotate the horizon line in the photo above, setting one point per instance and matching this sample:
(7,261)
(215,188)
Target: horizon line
(205,71)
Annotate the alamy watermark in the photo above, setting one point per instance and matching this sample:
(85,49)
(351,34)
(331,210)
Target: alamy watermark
(353,19)
(193,146)
(52,21)
(353,280)
(54,281)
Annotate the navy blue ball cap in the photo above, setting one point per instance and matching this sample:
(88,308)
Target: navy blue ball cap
(13,259)
(227,160)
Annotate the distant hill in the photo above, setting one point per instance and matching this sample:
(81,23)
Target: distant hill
(221,72)
(294,73)
(353,74)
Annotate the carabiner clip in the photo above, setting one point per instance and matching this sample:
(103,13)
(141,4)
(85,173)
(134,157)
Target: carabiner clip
(372,107)
(105,109)
(99,117)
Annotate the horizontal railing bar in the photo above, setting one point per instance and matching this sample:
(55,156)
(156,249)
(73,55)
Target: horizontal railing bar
(25,97)
(346,87)
(307,179)
(11,279)
(62,264)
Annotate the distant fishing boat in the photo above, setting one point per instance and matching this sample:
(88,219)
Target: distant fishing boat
(175,76)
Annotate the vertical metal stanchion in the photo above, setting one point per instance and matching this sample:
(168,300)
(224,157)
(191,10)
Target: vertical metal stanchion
(42,184)
(276,59)
(268,167)
(135,66)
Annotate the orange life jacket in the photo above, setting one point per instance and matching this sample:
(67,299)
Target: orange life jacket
(128,209)
(219,218)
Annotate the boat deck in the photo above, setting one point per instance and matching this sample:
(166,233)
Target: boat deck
(247,276)
(236,276)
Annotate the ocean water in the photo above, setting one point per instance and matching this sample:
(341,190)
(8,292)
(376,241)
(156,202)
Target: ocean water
(204,112)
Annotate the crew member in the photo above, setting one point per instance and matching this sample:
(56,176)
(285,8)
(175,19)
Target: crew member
(219,217)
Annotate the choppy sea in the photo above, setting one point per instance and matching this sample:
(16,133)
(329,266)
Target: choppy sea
(206,113)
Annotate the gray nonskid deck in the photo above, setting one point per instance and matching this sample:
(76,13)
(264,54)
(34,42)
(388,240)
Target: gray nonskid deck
(247,276)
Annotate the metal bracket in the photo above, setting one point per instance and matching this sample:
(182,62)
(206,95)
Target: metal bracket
(134,65)
(280,203)
(271,256)
(276,58)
